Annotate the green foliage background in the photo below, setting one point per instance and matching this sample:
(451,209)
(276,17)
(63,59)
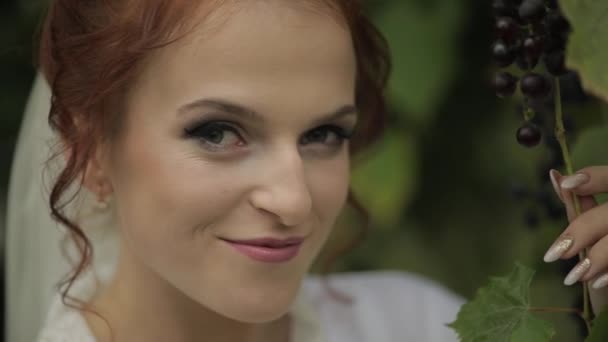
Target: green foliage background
(437,186)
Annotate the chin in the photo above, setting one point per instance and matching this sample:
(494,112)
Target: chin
(262,316)
(259,308)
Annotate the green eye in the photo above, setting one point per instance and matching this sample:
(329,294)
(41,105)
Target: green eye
(329,135)
(216,135)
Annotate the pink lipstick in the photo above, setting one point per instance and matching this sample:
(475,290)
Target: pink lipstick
(268,249)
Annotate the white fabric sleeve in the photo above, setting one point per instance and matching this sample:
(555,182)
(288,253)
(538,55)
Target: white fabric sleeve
(390,306)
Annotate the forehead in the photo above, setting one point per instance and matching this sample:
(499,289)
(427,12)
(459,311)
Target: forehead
(257,52)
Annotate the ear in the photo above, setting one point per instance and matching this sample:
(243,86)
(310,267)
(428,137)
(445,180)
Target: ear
(96,175)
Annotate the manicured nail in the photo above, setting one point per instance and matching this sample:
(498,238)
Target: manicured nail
(575,180)
(558,249)
(553,177)
(577,272)
(600,282)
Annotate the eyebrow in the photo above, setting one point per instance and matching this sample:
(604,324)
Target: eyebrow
(240,110)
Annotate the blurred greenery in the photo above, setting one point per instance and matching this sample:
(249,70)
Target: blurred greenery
(587,53)
(438,187)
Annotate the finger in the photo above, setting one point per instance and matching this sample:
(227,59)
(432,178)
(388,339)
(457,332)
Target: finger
(586,203)
(587,181)
(600,280)
(555,177)
(582,231)
(598,254)
(599,296)
(593,269)
(565,195)
(586,230)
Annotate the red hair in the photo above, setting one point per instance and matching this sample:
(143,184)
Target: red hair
(91,51)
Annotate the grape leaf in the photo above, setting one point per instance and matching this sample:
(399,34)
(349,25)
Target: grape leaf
(425,46)
(499,312)
(599,332)
(587,52)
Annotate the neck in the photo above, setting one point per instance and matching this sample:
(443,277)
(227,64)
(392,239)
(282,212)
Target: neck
(140,306)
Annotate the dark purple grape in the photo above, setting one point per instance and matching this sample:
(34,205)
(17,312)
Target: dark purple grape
(534,85)
(532,10)
(507,28)
(502,54)
(557,24)
(552,4)
(533,46)
(528,135)
(504,8)
(505,84)
(555,62)
(555,42)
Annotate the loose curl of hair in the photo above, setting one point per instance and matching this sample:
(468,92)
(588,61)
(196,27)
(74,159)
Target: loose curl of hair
(91,52)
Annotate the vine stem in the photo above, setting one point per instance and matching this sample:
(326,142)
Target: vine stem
(560,135)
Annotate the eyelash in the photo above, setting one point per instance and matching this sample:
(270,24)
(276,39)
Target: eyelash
(198,132)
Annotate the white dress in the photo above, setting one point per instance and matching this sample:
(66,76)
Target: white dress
(389,306)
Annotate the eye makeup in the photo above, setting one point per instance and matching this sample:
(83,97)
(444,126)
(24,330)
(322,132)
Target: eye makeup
(218,135)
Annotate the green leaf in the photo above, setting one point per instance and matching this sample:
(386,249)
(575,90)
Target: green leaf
(599,332)
(587,52)
(425,46)
(499,312)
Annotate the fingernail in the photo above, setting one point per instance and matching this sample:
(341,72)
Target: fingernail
(577,272)
(600,282)
(575,180)
(558,249)
(553,177)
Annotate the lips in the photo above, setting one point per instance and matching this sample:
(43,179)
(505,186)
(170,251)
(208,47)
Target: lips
(269,242)
(269,250)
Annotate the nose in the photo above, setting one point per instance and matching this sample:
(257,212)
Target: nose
(283,190)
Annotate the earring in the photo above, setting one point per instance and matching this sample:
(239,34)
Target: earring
(102,203)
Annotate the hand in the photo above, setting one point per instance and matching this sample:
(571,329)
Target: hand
(589,230)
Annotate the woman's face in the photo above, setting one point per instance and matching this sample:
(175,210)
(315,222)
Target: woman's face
(237,132)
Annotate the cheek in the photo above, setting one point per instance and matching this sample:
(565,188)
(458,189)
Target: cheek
(165,194)
(329,189)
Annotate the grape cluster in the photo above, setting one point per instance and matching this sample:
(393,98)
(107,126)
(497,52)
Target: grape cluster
(528,32)
(531,37)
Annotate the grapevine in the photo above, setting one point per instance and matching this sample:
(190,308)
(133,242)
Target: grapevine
(530,52)
(542,34)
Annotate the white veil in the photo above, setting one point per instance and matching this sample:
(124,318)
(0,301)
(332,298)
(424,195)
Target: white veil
(34,263)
